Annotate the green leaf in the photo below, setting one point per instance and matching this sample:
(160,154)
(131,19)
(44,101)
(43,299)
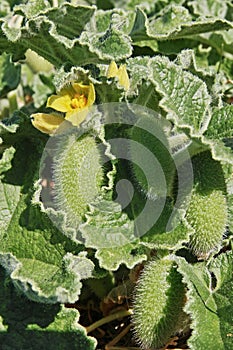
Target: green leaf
(109,91)
(228,174)
(173,23)
(227,36)
(220,41)
(141,91)
(171,240)
(69,333)
(185,97)
(219,150)
(70,20)
(28,325)
(171,19)
(148,5)
(5,161)
(147,96)
(26,251)
(9,74)
(139,30)
(6,128)
(208,304)
(109,230)
(17,127)
(221,123)
(31,244)
(106,225)
(138,69)
(230,210)
(195,61)
(168,229)
(54,34)
(108,39)
(209,8)
(219,134)
(198,62)
(10,193)
(32,9)
(130,255)
(6,46)
(222,269)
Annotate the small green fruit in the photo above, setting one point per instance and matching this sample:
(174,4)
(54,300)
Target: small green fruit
(78,176)
(207,211)
(158,303)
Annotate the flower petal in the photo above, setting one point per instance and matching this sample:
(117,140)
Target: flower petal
(76,118)
(91,95)
(46,123)
(87,90)
(60,103)
(112,70)
(123,77)
(81,89)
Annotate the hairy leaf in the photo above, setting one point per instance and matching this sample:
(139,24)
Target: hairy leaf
(33,326)
(130,255)
(108,39)
(174,22)
(106,225)
(185,97)
(53,33)
(209,302)
(9,74)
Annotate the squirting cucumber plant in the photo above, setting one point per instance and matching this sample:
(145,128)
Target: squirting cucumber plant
(116,175)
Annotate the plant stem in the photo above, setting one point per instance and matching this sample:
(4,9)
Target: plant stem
(110,345)
(107,319)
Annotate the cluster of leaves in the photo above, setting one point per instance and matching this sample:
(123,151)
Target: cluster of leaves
(178,56)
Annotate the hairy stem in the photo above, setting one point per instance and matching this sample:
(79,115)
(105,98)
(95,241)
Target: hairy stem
(107,319)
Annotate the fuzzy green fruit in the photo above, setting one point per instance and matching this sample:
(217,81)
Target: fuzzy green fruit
(78,176)
(207,211)
(152,163)
(158,304)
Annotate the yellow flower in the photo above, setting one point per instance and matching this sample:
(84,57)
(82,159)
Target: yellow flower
(73,101)
(46,123)
(120,73)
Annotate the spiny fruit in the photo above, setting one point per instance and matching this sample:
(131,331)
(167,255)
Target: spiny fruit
(158,303)
(77,175)
(207,211)
(152,163)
